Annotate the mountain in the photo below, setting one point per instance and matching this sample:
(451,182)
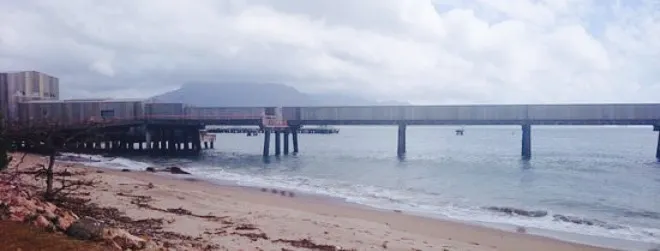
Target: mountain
(255,94)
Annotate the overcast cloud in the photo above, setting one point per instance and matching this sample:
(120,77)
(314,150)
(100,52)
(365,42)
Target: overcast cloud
(422,51)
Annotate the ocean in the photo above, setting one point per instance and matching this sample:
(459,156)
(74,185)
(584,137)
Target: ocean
(599,185)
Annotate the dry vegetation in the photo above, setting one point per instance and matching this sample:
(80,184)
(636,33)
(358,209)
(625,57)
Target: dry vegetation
(21,236)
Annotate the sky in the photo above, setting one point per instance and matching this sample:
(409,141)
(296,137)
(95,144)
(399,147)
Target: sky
(420,51)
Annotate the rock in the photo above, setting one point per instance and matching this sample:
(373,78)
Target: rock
(65,219)
(521,212)
(41,222)
(125,170)
(50,215)
(176,170)
(49,207)
(124,239)
(86,229)
(151,169)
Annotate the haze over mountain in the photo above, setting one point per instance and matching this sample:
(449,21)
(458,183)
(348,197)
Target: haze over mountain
(258,94)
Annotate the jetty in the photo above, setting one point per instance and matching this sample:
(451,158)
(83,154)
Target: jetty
(142,126)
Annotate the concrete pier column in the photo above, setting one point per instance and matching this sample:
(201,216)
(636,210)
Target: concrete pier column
(266,143)
(401,140)
(278,144)
(147,139)
(158,143)
(171,141)
(197,141)
(526,141)
(286,143)
(165,141)
(184,140)
(657,149)
(294,137)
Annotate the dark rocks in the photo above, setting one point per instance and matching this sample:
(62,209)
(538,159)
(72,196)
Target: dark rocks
(172,169)
(521,212)
(176,170)
(86,229)
(583,221)
(125,170)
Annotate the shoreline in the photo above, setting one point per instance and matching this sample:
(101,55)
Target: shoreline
(576,238)
(606,243)
(413,231)
(590,241)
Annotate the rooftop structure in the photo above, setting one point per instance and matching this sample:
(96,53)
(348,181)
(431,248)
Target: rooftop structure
(21,86)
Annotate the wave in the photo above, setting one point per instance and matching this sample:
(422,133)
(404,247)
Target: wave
(103,162)
(417,202)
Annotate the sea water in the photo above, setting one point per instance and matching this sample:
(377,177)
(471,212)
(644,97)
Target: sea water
(601,183)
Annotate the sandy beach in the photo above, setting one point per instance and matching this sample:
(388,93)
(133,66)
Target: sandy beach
(242,218)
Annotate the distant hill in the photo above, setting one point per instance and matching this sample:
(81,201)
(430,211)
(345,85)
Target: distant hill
(257,94)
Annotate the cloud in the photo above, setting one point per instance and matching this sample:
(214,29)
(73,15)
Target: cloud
(423,51)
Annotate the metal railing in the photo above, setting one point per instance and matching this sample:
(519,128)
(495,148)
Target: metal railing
(270,121)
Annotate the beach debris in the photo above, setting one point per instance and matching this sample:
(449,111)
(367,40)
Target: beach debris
(142,201)
(521,230)
(246,227)
(309,244)
(252,236)
(179,211)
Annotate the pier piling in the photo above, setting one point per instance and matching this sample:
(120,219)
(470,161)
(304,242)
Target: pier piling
(286,143)
(294,136)
(401,142)
(197,142)
(278,144)
(266,143)
(657,149)
(526,141)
